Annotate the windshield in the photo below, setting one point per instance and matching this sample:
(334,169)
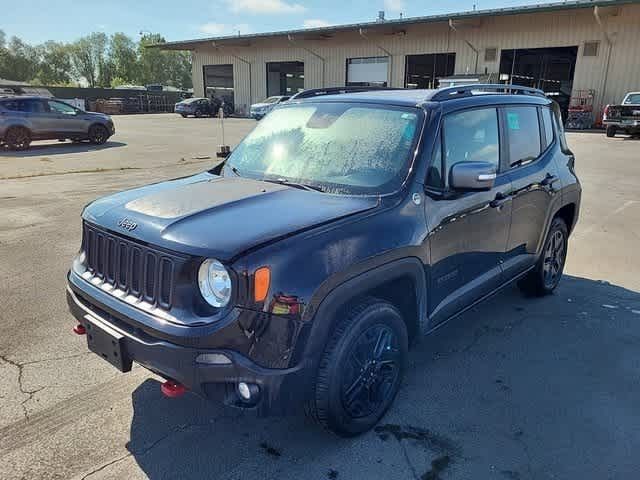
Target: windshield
(191,100)
(632,99)
(272,100)
(339,147)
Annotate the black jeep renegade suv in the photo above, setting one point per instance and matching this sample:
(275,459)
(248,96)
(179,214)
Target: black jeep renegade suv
(297,272)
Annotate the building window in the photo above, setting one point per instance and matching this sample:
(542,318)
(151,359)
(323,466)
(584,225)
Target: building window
(490,54)
(284,78)
(368,72)
(424,71)
(591,49)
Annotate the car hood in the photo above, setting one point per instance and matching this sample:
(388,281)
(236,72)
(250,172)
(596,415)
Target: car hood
(261,105)
(221,217)
(101,116)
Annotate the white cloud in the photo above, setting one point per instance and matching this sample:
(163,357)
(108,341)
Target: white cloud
(221,29)
(394,5)
(264,6)
(315,23)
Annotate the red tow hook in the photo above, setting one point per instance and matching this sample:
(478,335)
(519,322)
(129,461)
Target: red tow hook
(79,329)
(173,389)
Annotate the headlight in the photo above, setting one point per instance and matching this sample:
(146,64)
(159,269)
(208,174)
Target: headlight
(215,283)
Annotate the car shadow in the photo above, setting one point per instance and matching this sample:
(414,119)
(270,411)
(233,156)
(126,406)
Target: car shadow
(58,148)
(516,385)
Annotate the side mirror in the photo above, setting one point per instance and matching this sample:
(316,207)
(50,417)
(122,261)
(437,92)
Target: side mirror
(473,176)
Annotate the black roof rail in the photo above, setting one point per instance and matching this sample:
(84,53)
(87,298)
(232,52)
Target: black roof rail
(317,92)
(459,91)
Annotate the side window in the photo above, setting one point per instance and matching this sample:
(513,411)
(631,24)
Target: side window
(548,126)
(557,120)
(523,134)
(11,105)
(63,108)
(434,174)
(471,136)
(33,106)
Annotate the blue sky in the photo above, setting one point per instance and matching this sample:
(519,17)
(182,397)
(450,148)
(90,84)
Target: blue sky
(65,20)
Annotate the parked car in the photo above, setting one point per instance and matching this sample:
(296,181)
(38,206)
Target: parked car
(624,117)
(23,119)
(341,229)
(202,107)
(259,110)
(198,107)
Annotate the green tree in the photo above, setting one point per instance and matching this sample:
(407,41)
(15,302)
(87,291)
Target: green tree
(89,58)
(164,67)
(55,64)
(124,57)
(18,60)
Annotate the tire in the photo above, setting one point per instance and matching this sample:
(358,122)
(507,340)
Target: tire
(545,277)
(198,114)
(18,138)
(98,134)
(361,369)
(611,131)
(184,115)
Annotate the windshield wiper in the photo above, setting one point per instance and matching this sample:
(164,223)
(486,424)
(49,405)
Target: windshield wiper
(301,186)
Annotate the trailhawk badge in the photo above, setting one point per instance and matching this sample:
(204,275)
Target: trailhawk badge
(127,224)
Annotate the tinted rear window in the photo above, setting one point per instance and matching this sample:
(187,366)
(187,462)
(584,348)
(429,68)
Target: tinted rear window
(523,134)
(548,126)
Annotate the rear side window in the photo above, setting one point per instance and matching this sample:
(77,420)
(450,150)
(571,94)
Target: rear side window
(548,126)
(32,106)
(471,136)
(523,131)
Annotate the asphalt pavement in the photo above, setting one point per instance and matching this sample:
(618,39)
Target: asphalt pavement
(517,388)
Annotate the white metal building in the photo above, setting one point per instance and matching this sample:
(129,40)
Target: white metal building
(564,48)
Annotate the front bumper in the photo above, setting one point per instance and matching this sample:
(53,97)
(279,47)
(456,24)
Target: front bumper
(282,390)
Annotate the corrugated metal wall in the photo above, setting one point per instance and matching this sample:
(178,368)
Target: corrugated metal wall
(554,29)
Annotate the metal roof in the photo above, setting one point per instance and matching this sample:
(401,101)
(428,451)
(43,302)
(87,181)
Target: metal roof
(536,8)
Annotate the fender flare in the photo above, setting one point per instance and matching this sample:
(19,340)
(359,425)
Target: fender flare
(323,319)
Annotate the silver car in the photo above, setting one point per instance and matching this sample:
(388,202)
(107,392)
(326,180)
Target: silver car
(259,110)
(23,119)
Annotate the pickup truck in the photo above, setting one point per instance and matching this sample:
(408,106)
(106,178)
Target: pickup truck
(624,117)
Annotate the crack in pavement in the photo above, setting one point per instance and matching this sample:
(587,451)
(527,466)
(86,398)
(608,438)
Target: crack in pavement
(29,393)
(20,366)
(178,429)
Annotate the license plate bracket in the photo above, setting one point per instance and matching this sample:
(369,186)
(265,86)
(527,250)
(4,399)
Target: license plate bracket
(107,343)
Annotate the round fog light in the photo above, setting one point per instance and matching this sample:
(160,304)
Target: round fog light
(248,391)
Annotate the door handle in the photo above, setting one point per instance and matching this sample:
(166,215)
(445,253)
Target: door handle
(499,201)
(549,180)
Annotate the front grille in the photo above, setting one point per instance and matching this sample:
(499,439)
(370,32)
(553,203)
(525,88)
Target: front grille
(138,270)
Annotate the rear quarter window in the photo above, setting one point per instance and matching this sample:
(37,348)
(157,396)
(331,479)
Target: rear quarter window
(523,134)
(547,121)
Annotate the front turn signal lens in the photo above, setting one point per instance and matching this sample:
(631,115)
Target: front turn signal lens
(261,280)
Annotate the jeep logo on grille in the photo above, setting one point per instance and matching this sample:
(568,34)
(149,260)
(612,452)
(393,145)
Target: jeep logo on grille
(127,224)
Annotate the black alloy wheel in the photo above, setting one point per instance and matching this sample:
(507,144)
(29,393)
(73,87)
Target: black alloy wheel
(372,371)
(98,134)
(546,275)
(361,369)
(553,260)
(18,138)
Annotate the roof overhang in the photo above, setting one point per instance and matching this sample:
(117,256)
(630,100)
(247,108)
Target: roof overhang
(389,27)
